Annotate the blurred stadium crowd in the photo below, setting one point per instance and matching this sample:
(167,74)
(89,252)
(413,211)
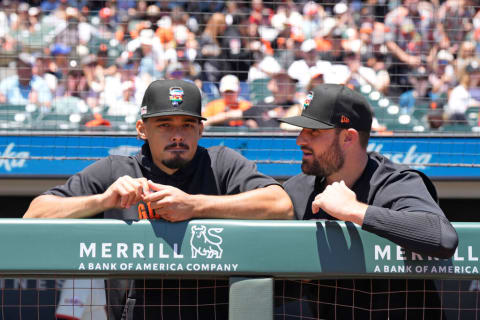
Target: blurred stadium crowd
(67,64)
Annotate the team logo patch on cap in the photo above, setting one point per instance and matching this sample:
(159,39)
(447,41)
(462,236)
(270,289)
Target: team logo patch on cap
(176,96)
(143,110)
(307,100)
(344,119)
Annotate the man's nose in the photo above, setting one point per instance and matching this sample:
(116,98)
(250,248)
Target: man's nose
(301,140)
(177,135)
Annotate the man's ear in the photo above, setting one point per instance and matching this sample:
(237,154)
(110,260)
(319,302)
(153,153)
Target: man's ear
(141,131)
(351,136)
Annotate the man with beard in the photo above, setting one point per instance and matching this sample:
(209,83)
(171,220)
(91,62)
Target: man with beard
(342,181)
(174,179)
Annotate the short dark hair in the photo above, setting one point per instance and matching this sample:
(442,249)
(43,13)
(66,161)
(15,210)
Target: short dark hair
(363,136)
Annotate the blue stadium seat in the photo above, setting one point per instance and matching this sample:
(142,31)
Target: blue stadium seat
(245,91)
(210,90)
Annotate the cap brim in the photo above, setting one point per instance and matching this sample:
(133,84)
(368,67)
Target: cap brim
(173,113)
(304,122)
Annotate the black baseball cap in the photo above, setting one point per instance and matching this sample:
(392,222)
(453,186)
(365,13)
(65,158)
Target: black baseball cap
(172,97)
(330,106)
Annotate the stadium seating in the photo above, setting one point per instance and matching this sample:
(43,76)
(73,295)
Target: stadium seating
(13,120)
(472,114)
(121,122)
(210,91)
(57,121)
(12,107)
(259,90)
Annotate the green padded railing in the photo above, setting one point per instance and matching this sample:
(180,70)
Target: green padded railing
(301,249)
(250,253)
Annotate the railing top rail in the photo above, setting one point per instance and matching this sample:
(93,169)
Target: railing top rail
(220,248)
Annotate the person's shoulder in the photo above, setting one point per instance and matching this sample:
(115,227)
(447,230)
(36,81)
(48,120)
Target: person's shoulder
(300,179)
(116,159)
(391,170)
(215,103)
(117,165)
(244,104)
(217,151)
(388,171)
(225,157)
(213,107)
(385,163)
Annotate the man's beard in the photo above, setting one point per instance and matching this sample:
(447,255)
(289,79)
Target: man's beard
(326,163)
(177,162)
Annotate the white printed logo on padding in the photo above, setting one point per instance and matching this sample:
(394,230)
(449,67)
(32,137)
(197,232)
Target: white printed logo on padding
(206,242)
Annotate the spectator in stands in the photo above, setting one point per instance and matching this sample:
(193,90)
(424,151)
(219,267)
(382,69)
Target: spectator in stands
(125,8)
(435,117)
(344,18)
(442,78)
(210,53)
(409,39)
(228,110)
(466,54)
(20,19)
(95,76)
(78,31)
(340,180)
(25,87)
(260,15)
(460,99)
(313,14)
(282,101)
(455,22)
(126,105)
(107,26)
(49,5)
(105,61)
(34,19)
(356,74)
(72,94)
(236,43)
(60,11)
(315,79)
(336,51)
(175,71)
(174,179)
(43,63)
(60,59)
(300,69)
(152,62)
(286,21)
(75,85)
(374,53)
(420,96)
(5,22)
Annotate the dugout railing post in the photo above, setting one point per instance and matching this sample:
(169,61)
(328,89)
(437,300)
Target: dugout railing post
(250,298)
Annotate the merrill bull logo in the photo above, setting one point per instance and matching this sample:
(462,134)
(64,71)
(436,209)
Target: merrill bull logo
(206,242)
